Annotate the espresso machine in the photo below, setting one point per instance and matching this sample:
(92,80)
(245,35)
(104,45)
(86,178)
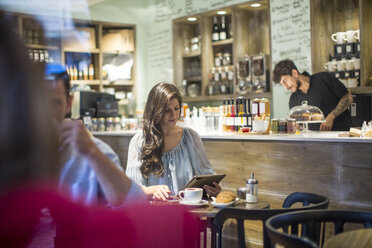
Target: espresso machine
(260,73)
(94,104)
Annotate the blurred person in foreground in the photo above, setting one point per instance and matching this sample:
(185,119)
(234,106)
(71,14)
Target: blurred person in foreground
(164,157)
(91,170)
(29,168)
(321,89)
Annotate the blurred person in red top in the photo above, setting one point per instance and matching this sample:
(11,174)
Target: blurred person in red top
(29,168)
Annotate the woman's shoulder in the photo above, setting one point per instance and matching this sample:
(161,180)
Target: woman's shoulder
(137,139)
(189,132)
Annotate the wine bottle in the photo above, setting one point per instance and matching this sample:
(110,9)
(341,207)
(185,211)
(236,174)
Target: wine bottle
(223,33)
(215,30)
(249,114)
(232,127)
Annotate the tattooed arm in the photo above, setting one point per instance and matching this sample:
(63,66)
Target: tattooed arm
(342,105)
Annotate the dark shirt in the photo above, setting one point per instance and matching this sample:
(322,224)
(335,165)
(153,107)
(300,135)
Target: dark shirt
(325,91)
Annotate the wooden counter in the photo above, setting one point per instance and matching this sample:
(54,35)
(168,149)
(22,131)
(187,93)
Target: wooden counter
(317,162)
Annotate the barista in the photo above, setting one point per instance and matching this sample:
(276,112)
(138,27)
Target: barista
(321,89)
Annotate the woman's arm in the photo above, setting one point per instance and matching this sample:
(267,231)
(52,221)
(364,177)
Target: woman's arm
(205,167)
(133,171)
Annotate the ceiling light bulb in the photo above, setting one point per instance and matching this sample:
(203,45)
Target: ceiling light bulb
(192,19)
(221,12)
(255,5)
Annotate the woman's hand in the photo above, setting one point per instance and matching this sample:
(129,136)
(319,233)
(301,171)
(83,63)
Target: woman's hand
(158,192)
(213,191)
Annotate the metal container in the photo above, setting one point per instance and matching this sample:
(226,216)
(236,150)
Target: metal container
(252,190)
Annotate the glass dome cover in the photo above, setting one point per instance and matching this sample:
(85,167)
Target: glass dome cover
(306,113)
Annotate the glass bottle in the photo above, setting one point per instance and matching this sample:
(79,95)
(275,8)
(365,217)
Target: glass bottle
(232,127)
(215,30)
(249,114)
(223,33)
(252,190)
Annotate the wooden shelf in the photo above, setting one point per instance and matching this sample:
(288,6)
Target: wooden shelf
(45,47)
(207,98)
(71,50)
(361,90)
(222,42)
(117,52)
(86,82)
(256,95)
(118,83)
(191,55)
(193,79)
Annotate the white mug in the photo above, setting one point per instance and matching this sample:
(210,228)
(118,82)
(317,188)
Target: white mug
(341,65)
(344,81)
(350,36)
(191,195)
(357,33)
(349,65)
(330,66)
(356,63)
(338,37)
(352,82)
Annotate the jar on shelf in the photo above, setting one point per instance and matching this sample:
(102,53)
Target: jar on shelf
(218,59)
(226,60)
(195,44)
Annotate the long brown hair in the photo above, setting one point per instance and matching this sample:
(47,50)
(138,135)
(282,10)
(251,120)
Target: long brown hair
(28,144)
(159,96)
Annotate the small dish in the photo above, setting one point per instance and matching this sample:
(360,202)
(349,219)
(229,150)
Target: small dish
(201,203)
(222,205)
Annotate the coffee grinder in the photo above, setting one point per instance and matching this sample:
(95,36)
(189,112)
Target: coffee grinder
(244,82)
(260,73)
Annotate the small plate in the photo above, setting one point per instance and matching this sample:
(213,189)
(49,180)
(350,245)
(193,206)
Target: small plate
(222,205)
(201,203)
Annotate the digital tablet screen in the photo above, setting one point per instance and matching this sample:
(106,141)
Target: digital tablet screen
(200,180)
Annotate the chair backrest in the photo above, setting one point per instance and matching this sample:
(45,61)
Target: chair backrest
(291,223)
(309,200)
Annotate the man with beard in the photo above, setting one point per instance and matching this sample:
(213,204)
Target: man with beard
(321,89)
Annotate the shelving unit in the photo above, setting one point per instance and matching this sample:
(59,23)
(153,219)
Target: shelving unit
(80,43)
(248,32)
(328,17)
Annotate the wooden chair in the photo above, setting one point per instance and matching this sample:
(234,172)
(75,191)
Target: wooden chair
(309,222)
(308,200)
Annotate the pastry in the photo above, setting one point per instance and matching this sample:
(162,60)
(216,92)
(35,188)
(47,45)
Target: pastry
(225,197)
(306,117)
(316,117)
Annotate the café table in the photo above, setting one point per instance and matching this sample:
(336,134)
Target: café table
(361,238)
(207,213)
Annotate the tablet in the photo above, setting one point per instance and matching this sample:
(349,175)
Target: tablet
(200,180)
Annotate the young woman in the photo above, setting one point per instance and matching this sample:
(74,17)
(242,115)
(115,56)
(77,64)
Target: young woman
(164,157)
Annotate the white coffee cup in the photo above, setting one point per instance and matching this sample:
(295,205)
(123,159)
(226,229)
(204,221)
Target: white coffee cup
(341,65)
(356,63)
(357,33)
(330,65)
(350,36)
(352,82)
(344,82)
(349,65)
(338,37)
(191,195)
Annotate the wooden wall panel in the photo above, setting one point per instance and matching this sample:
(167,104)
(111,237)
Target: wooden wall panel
(328,17)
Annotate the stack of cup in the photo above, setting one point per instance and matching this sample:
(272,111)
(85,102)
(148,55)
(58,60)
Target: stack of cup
(346,61)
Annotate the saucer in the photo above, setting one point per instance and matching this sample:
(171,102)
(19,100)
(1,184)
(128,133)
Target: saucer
(222,205)
(201,203)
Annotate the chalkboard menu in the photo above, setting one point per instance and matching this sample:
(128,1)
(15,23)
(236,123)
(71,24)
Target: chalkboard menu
(290,32)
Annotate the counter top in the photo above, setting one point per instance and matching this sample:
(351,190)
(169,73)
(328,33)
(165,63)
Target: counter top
(309,136)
